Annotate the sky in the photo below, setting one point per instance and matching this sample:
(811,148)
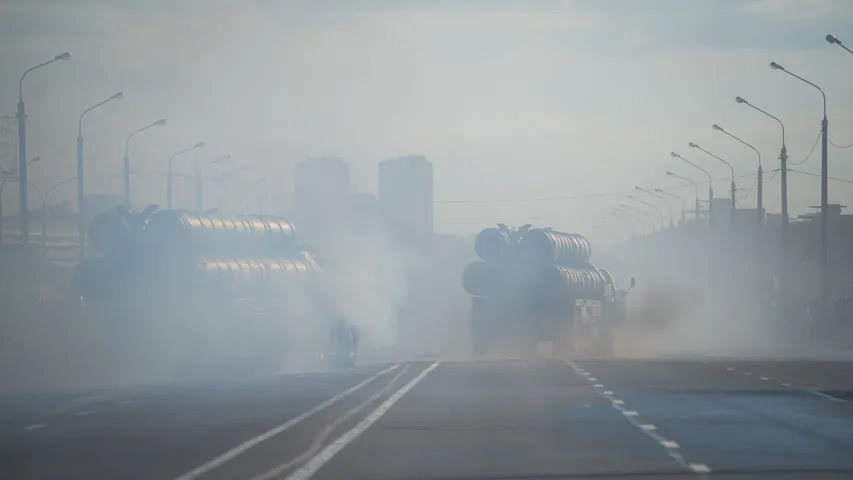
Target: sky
(531,111)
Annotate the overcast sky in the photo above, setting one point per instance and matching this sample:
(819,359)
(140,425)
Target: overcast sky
(511,101)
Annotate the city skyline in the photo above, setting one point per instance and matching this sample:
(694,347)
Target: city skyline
(523,108)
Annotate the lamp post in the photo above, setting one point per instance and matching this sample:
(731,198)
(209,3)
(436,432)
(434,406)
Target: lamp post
(695,187)
(4,177)
(824,186)
(81,207)
(668,206)
(200,180)
(642,212)
(158,123)
(227,176)
(760,205)
(733,189)
(169,173)
(710,188)
(23,209)
(683,209)
(616,212)
(783,159)
(653,206)
(831,39)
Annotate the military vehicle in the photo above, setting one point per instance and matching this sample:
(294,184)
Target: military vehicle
(538,285)
(234,292)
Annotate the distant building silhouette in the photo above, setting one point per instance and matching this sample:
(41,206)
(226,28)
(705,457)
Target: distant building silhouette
(365,211)
(321,198)
(405,196)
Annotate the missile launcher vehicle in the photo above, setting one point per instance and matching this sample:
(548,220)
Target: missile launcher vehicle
(538,285)
(240,284)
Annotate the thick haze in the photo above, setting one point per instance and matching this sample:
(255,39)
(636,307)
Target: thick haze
(514,100)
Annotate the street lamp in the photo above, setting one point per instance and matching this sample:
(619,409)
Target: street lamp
(824,186)
(783,158)
(683,209)
(760,173)
(668,206)
(158,123)
(655,207)
(616,212)
(224,178)
(643,212)
(44,202)
(200,180)
(23,208)
(4,177)
(695,187)
(710,187)
(81,208)
(169,174)
(831,39)
(733,193)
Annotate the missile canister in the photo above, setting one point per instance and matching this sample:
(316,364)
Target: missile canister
(544,247)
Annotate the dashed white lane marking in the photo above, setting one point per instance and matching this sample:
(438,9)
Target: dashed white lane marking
(125,402)
(672,448)
(810,391)
(332,449)
(83,413)
(34,426)
(243,447)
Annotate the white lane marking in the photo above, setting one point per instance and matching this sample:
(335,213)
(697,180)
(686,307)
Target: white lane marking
(730,369)
(332,449)
(34,426)
(317,444)
(83,413)
(824,395)
(243,447)
(672,448)
(598,385)
(125,402)
(807,390)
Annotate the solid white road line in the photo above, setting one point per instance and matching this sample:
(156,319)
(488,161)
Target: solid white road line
(332,449)
(317,445)
(243,447)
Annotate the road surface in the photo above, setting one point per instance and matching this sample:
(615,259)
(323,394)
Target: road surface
(432,419)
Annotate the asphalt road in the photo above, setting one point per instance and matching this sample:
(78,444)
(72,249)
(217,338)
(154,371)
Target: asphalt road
(446,419)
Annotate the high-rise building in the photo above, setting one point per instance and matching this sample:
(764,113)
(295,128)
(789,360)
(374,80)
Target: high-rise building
(321,198)
(405,196)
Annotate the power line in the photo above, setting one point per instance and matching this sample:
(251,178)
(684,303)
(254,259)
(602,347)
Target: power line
(839,146)
(818,175)
(810,153)
(575,197)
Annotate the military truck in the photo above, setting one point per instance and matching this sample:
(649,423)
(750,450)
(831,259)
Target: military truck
(538,285)
(231,293)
